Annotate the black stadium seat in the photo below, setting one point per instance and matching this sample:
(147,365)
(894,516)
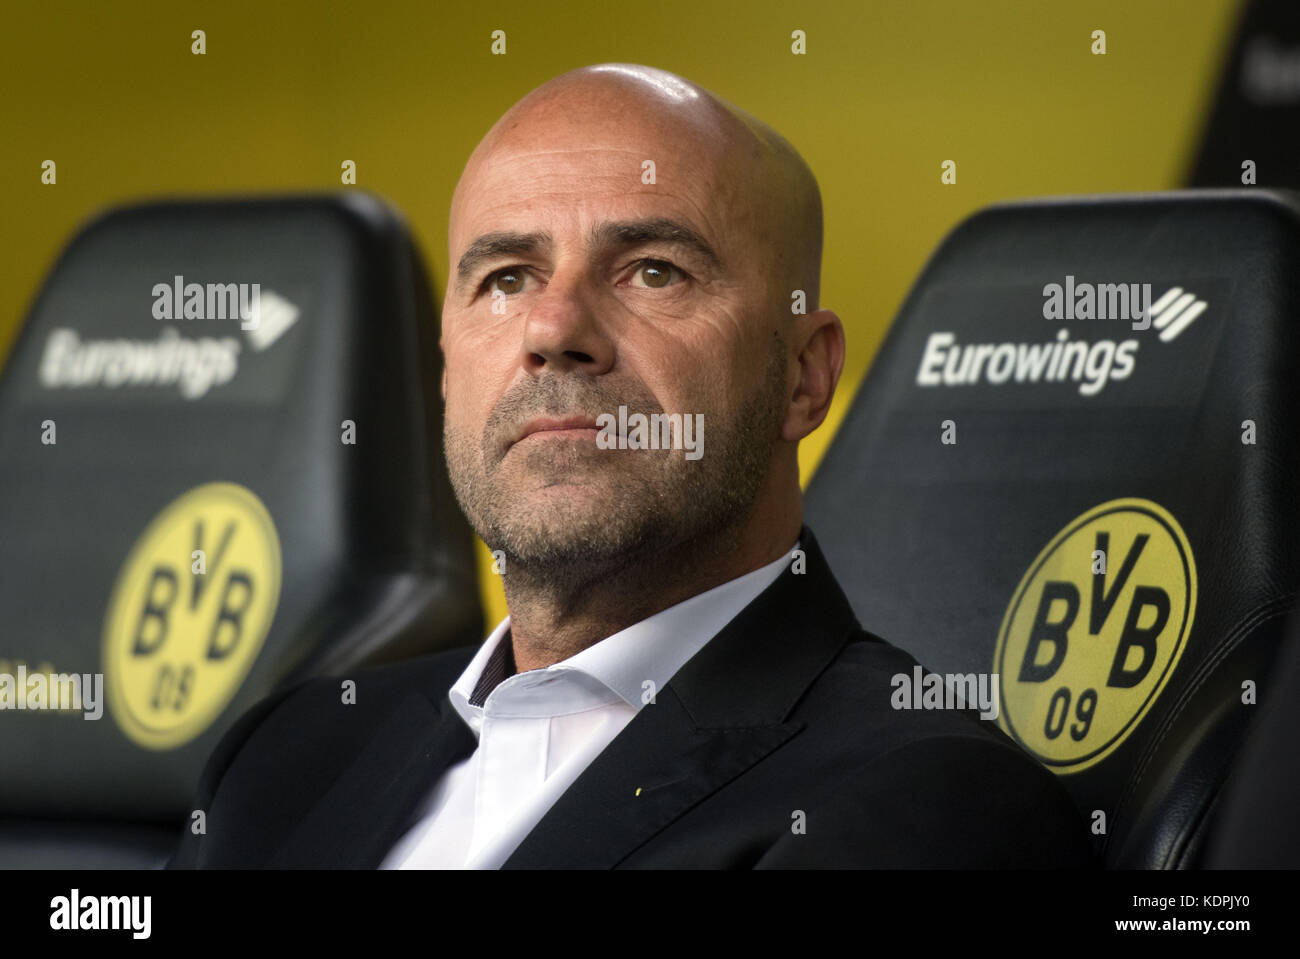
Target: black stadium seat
(1253,127)
(221,471)
(1255,825)
(1107,517)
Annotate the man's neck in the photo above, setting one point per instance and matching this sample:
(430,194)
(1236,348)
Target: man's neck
(550,622)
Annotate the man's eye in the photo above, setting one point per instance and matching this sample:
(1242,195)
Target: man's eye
(509,281)
(658,274)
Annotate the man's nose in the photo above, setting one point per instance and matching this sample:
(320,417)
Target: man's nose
(562,332)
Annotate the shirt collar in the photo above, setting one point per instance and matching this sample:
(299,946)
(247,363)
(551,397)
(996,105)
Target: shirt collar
(650,651)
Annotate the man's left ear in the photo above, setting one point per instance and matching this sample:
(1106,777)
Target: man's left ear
(821,360)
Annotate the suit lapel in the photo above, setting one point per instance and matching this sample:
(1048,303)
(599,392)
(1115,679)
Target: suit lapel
(374,802)
(724,710)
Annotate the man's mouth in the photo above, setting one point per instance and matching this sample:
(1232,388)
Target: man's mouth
(557,427)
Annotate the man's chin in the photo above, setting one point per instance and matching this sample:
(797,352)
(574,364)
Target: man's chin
(571,548)
(557,525)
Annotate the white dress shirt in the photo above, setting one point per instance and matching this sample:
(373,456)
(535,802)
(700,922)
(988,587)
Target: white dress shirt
(538,730)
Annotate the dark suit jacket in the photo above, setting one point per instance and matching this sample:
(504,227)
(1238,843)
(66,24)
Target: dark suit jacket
(785,711)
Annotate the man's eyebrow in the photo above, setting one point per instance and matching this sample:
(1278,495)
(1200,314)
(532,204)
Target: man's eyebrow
(492,245)
(655,230)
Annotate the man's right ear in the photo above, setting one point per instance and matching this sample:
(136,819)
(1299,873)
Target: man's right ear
(821,361)
(444,380)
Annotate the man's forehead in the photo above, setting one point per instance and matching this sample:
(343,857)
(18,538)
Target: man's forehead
(561,166)
(546,185)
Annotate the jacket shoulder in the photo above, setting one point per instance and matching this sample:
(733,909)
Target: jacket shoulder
(945,787)
(280,754)
(944,801)
(872,682)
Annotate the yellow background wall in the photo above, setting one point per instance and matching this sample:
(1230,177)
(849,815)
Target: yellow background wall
(887,91)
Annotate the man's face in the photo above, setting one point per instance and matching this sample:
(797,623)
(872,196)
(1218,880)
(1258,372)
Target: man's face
(610,292)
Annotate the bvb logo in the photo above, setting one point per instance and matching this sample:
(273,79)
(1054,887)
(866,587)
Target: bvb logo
(180,637)
(1087,645)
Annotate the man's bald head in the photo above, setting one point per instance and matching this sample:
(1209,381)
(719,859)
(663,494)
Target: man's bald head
(584,287)
(772,190)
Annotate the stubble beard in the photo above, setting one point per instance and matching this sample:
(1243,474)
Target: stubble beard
(564,512)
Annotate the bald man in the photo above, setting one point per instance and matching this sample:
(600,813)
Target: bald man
(680,681)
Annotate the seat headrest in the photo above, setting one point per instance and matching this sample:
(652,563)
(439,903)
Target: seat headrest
(1039,480)
(220,470)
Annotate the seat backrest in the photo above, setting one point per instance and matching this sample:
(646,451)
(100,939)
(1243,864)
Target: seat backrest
(1255,825)
(1252,132)
(1089,488)
(220,471)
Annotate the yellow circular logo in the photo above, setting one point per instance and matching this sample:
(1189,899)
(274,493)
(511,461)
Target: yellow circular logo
(1094,631)
(191,607)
